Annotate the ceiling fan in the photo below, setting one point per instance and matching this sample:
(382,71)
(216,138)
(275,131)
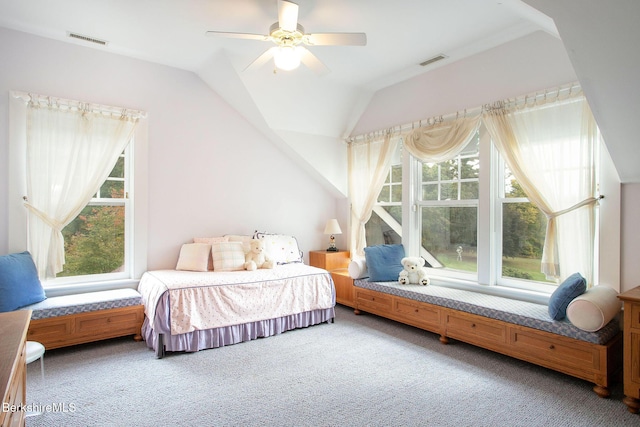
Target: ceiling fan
(289,36)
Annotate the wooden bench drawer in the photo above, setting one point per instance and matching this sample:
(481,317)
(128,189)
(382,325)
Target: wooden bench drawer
(373,301)
(475,329)
(418,314)
(554,350)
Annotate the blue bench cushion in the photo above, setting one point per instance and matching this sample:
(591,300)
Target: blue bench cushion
(508,310)
(80,303)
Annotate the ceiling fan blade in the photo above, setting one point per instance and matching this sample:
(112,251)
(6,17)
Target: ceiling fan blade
(311,61)
(261,60)
(336,39)
(247,36)
(287,15)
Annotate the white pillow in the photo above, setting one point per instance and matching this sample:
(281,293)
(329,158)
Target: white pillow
(227,256)
(282,249)
(240,238)
(194,257)
(211,241)
(358,268)
(592,310)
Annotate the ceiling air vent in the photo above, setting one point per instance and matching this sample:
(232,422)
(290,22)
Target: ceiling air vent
(434,59)
(87,39)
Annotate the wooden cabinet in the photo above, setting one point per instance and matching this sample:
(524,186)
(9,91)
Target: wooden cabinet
(13,366)
(336,263)
(631,363)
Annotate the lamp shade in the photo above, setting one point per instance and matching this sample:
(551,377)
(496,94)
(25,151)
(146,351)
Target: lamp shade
(287,58)
(332,227)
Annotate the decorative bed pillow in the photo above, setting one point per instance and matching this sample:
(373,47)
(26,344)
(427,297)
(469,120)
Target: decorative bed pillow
(19,282)
(383,262)
(358,268)
(282,249)
(245,240)
(194,257)
(595,308)
(572,287)
(211,241)
(228,256)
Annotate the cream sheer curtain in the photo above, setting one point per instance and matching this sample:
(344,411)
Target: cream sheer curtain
(441,141)
(369,161)
(71,149)
(549,147)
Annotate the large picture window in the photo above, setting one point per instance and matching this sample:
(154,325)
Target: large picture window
(507,196)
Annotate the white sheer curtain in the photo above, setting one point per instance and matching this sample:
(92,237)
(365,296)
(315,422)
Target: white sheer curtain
(369,161)
(71,149)
(441,141)
(549,147)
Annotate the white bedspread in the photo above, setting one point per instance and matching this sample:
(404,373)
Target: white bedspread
(205,300)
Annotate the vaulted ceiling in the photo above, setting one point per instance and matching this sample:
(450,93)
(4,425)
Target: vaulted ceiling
(400,35)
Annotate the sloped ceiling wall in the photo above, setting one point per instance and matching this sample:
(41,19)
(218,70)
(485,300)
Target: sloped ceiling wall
(601,39)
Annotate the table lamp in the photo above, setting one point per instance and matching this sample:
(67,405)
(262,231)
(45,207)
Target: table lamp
(332,228)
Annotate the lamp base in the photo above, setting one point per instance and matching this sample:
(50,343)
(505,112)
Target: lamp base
(333,249)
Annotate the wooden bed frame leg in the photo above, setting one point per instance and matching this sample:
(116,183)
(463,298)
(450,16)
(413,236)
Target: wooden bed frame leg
(444,339)
(356,311)
(137,337)
(601,391)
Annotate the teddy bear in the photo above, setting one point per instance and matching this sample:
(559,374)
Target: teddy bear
(257,256)
(413,272)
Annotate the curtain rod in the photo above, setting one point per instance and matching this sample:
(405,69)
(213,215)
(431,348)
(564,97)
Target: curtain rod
(510,102)
(69,103)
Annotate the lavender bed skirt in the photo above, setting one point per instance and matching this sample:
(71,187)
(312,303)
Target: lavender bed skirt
(158,336)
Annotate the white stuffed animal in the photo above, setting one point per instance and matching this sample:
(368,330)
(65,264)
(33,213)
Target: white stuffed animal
(257,256)
(414,271)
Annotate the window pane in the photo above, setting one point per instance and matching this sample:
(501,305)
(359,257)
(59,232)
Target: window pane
(523,233)
(380,232)
(430,192)
(450,234)
(469,190)
(429,172)
(449,170)
(118,169)
(384,195)
(396,193)
(396,173)
(470,168)
(112,190)
(449,191)
(94,241)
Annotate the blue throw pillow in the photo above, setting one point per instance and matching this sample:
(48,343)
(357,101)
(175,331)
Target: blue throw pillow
(383,262)
(19,283)
(573,286)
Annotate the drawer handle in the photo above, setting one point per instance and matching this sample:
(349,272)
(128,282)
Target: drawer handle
(473,325)
(551,347)
(417,311)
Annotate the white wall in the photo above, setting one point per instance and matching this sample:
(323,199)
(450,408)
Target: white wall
(210,172)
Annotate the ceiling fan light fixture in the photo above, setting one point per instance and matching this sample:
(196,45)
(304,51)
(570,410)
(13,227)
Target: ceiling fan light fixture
(287,58)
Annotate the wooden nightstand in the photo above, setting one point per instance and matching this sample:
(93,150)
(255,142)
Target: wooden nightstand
(631,365)
(336,263)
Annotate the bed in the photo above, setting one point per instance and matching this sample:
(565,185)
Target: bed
(188,311)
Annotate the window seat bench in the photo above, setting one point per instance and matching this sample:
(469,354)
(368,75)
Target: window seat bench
(81,318)
(519,329)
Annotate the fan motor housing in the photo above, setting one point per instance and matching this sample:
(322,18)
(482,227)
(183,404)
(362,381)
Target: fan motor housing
(284,37)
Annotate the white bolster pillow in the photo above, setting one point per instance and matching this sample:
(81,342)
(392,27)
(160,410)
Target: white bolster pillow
(592,310)
(358,268)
